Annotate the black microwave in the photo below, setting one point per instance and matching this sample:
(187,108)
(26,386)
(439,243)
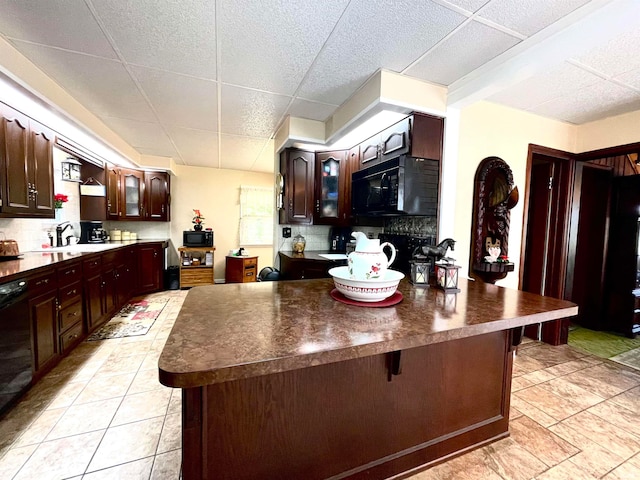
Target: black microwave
(403,185)
(203,238)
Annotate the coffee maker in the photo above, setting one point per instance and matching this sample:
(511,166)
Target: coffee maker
(92,232)
(339,238)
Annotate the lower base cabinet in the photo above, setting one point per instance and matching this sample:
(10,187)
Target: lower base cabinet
(150,268)
(44,319)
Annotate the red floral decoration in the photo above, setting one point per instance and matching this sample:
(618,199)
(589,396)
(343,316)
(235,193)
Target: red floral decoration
(59,199)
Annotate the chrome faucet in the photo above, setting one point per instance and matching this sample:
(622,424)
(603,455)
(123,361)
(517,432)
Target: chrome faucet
(59,231)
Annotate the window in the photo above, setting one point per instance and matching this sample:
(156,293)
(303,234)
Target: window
(256,216)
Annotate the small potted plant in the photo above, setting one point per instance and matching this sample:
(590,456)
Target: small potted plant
(197,220)
(59,199)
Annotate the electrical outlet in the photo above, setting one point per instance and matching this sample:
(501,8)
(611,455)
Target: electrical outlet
(286,232)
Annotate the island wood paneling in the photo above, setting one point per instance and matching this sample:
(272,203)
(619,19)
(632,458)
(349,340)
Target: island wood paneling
(347,419)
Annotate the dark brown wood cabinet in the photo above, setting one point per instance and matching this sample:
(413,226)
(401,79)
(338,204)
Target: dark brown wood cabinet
(44,318)
(156,196)
(418,135)
(297,166)
(131,194)
(240,269)
(113,192)
(26,166)
(150,267)
(297,267)
(332,197)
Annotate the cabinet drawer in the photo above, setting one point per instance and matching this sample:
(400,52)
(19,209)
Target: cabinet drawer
(42,282)
(70,338)
(249,275)
(91,266)
(69,274)
(70,316)
(70,294)
(248,262)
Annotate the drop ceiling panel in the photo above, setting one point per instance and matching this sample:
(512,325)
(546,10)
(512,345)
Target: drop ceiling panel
(240,153)
(590,103)
(631,78)
(467,49)
(175,36)
(266,161)
(140,134)
(180,100)
(559,81)
(160,152)
(311,110)
(250,112)
(469,5)
(277,39)
(529,16)
(619,55)
(67,24)
(372,36)
(196,147)
(103,86)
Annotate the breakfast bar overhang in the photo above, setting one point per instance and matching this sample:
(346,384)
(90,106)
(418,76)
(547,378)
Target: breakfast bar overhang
(281,381)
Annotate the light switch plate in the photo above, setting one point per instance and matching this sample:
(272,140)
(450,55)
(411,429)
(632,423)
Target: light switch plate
(286,232)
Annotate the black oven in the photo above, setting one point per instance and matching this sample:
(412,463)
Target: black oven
(403,185)
(203,238)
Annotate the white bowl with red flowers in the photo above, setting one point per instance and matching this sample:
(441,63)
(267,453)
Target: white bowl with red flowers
(372,290)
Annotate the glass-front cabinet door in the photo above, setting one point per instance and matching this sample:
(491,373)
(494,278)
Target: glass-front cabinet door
(331,191)
(132,190)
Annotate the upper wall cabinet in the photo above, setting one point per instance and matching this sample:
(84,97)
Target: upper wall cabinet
(137,195)
(156,196)
(26,166)
(332,198)
(417,135)
(297,167)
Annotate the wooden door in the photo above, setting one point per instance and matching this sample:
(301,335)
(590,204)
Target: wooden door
(131,194)
(151,265)
(330,183)
(588,241)
(44,319)
(299,189)
(543,261)
(17,189)
(42,168)
(156,196)
(93,301)
(113,192)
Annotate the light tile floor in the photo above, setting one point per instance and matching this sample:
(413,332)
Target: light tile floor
(102,414)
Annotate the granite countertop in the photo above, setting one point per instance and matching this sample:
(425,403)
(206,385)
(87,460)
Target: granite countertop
(234,331)
(312,255)
(28,262)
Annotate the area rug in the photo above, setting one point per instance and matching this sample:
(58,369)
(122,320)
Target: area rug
(135,318)
(609,345)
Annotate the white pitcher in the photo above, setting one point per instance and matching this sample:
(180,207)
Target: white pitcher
(368,261)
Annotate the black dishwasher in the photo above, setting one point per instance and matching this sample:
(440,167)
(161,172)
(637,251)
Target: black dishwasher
(15,342)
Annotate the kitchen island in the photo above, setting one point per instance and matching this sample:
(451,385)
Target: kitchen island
(281,381)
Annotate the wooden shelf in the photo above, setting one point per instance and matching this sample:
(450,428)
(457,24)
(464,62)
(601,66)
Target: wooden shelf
(196,275)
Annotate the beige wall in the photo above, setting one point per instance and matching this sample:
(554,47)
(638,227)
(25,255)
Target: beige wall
(217,194)
(488,129)
(610,132)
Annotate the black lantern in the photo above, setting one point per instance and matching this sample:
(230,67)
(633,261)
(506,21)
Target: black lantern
(447,277)
(71,170)
(420,268)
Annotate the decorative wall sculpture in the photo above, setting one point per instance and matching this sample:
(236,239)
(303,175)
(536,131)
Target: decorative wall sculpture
(494,196)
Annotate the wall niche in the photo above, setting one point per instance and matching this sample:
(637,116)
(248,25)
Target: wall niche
(494,195)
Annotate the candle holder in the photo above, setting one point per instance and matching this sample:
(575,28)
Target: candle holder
(447,277)
(420,269)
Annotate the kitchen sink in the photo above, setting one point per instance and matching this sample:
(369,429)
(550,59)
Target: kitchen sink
(333,256)
(80,248)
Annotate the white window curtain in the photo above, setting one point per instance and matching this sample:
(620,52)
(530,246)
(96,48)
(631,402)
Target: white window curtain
(256,215)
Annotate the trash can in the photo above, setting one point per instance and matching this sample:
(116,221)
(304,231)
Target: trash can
(172,278)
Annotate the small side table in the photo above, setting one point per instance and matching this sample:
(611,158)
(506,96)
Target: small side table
(240,269)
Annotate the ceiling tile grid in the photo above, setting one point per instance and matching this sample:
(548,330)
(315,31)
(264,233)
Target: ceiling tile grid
(266,45)
(178,36)
(468,48)
(149,69)
(529,16)
(75,27)
(250,112)
(180,100)
(373,35)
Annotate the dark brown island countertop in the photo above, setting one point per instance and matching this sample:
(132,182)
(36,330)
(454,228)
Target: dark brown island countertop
(234,331)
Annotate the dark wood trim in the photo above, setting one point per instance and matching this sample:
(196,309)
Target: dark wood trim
(608,152)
